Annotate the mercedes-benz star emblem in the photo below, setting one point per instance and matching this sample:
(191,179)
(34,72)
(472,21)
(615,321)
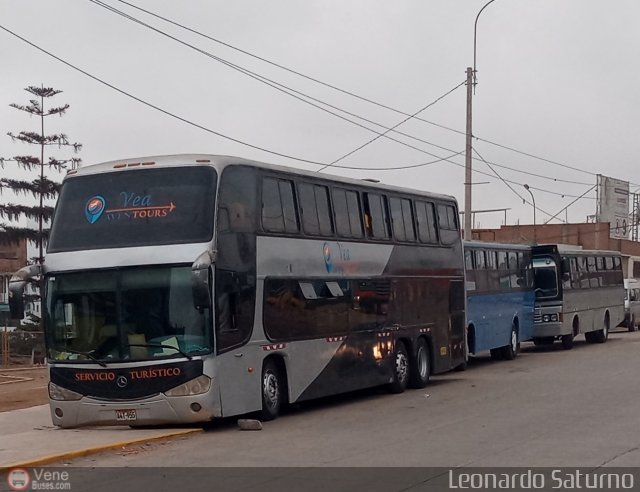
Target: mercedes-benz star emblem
(122,382)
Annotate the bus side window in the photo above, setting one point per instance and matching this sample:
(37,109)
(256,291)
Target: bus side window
(346,205)
(278,206)
(376,216)
(314,209)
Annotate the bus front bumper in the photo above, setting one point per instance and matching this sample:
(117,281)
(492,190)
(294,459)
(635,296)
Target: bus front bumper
(155,410)
(550,329)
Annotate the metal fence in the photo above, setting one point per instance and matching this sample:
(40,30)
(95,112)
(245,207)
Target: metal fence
(21,348)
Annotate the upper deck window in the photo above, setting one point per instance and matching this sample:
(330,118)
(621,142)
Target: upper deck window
(134,208)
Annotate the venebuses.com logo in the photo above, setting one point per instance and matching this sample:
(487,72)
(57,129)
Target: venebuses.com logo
(18,479)
(38,479)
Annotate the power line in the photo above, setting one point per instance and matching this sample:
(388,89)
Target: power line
(507,183)
(290,91)
(349,93)
(392,128)
(157,108)
(276,85)
(199,126)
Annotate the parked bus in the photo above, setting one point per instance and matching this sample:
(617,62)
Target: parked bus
(500,297)
(631,304)
(577,291)
(185,288)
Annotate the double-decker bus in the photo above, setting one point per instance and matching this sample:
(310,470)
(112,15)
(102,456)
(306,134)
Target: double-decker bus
(577,291)
(185,288)
(500,297)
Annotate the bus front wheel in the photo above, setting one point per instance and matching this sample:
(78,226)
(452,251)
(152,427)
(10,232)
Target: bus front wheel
(272,391)
(567,341)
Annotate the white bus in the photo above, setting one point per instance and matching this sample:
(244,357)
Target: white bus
(631,304)
(577,291)
(186,288)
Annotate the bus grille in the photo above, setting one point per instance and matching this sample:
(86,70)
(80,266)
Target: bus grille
(537,316)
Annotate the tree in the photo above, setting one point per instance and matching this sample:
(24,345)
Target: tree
(42,188)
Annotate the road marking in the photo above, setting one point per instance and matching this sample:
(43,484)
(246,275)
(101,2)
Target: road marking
(14,379)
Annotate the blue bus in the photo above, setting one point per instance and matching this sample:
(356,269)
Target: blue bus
(500,297)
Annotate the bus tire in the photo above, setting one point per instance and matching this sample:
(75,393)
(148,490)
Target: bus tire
(567,341)
(602,335)
(510,352)
(400,365)
(272,390)
(420,365)
(632,323)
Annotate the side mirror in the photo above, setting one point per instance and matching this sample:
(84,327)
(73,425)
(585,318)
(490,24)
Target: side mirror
(17,284)
(565,266)
(200,280)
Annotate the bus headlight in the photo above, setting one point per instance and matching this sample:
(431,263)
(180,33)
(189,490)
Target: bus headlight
(59,393)
(553,317)
(545,318)
(196,386)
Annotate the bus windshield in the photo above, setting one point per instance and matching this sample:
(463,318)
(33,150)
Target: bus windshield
(545,277)
(122,315)
(134,208)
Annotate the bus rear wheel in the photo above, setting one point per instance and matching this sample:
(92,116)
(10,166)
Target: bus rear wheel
(400,369)
(602,335)
(510,352)
(421,366)
(272,391)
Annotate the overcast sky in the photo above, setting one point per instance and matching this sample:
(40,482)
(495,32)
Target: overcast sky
(557,79)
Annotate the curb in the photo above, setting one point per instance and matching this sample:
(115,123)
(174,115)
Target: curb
(96,449)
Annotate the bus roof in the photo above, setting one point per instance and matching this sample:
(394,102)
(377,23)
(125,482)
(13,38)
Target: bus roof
(565,249)
(490,245)
(220,161)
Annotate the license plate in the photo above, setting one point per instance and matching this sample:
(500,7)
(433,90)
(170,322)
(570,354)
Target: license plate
(126,415)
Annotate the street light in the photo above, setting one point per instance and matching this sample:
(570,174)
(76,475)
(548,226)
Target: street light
(471,83)
(533,200)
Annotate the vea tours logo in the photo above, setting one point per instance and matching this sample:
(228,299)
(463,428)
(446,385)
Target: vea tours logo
(132,206)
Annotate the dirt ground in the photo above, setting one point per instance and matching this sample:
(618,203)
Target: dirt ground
(23,388)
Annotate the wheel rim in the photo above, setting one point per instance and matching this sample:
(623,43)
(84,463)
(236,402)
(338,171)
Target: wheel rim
(402,366)
(270,389)
(514,341)
(423,364)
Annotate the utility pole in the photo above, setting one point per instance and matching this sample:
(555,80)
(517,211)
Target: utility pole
(467,160)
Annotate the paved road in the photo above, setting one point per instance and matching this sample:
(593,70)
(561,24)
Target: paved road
(549,407)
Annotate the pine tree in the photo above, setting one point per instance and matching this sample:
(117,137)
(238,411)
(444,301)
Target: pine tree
(42,187)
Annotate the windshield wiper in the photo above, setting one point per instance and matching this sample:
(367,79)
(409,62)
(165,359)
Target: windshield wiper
(86,354)
(161,345)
